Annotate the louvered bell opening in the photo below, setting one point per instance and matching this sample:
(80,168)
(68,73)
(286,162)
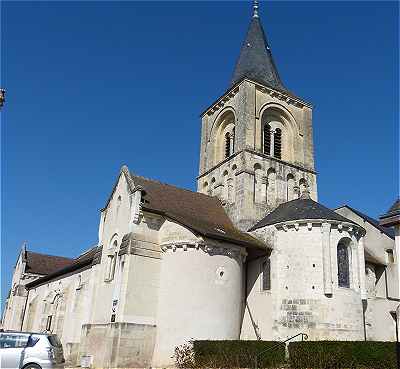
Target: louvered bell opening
(278,143)
(267,139)
(227,145)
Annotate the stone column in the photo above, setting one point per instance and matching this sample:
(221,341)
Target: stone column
(326,255)
(361,268)
(272,142)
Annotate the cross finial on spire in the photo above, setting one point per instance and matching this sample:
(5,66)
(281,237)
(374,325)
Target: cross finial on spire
(255,8)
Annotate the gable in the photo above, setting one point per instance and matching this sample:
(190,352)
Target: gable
(389,232)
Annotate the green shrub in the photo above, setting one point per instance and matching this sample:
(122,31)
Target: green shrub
(342,354)
(234,354)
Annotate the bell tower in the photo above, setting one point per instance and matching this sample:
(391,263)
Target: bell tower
(256,141)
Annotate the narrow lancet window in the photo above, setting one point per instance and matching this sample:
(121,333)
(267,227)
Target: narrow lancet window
(343,262)
(278,143)
(267,139)
(227,145)
(266,274)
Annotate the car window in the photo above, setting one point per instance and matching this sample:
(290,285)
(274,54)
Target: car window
(54,341)
(13,340)
(32,341)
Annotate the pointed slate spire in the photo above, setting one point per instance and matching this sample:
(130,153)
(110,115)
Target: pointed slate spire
(255,60)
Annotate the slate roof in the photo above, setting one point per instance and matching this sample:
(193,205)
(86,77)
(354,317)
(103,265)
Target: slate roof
(81,263)
(44,264)
(255,60)
(395,208)
(201,213)
(299,209)
(387,231)
(392,217)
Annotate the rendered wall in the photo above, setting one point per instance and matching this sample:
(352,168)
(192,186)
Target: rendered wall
(200,297)
(297,301)
(69,302)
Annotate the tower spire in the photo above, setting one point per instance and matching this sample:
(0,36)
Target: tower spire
(255,9)
(255,60)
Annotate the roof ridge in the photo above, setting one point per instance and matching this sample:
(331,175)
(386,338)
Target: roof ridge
(87,251)
(369,219)
(171,185)
(294,211)
(53,256)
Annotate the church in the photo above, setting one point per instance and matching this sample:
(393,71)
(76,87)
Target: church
(251,255)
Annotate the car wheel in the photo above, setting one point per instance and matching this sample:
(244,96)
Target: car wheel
(32,366)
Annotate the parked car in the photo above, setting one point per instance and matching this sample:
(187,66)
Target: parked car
(22,350)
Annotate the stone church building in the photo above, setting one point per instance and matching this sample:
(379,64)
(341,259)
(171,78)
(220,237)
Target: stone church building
(251,255)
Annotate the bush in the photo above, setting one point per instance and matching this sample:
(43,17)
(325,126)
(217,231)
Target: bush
(342,354)
(230,354)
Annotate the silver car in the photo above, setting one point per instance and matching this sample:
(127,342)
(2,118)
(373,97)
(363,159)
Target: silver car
(30,350)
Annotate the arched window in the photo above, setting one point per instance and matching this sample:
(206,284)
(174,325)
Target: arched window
(111,262)
(32,313)
(303,185)
(267,139)
(206,188)
(290,184)
(211,188)
(222,136)
(278,143)
(343,263)
(227,144)
(266,274)
(59,313)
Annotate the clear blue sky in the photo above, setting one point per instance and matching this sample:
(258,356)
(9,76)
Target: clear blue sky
(95,85)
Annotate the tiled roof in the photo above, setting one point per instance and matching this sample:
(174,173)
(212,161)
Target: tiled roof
(387,231)
(392,217)
(201,213)
(300,209)
(395,208)
(81,263)
(255,61)
(44,264)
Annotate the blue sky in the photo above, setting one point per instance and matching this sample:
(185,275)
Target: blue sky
(95,85)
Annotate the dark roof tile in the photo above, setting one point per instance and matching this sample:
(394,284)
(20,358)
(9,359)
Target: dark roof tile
(255,60)
(44,264)
(299,209)
(201,213)
(81,263)
(387,231)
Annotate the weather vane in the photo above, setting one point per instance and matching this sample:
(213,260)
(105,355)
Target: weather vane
(255,8)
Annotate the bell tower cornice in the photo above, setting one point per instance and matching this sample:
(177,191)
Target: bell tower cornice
(221,102)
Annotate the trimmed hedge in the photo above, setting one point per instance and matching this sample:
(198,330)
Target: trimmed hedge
(342,354)
(238,354)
